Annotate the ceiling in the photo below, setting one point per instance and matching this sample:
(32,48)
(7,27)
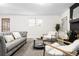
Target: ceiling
(34,8)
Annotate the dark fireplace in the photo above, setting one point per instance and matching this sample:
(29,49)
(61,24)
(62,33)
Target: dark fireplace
(74,25)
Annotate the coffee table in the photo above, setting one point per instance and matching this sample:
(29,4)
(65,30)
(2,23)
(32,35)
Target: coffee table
(38,43)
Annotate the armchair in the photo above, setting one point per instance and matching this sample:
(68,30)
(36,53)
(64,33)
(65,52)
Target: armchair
(59,50)
(50,36)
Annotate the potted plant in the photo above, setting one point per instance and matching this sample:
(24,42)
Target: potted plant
(57,29)
(69,33)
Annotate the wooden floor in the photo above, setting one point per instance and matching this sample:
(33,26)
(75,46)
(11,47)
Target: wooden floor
(27,50)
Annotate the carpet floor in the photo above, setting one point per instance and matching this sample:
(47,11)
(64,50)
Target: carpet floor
(27,50)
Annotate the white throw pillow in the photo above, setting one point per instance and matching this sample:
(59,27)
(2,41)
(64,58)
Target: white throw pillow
(8,38)
(16,35)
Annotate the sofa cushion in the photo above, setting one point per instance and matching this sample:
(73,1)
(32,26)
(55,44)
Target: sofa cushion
(14,44)
(16,35)
(8,38)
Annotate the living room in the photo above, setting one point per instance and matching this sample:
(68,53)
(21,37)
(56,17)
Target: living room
(34,29)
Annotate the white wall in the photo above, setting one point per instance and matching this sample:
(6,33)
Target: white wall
(66,14)
(21,23)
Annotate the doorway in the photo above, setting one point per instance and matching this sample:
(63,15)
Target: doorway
(5,25)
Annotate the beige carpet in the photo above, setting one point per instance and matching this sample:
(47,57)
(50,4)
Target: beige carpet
(27,50)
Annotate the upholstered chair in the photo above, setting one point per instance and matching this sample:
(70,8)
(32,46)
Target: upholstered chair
(58,50)
(50,36)
(2,46)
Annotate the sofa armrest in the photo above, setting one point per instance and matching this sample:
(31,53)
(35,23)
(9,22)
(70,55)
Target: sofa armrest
(62,40)
(2,46)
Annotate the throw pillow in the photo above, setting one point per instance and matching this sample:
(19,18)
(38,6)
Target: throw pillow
(8,38)
(16,35)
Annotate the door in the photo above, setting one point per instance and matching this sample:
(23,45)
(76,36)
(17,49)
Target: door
(5,24)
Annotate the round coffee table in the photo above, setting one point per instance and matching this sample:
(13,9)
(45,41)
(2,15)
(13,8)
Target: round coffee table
(38,44)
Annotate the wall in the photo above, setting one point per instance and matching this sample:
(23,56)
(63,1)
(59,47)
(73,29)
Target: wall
(21,23)
(66,14)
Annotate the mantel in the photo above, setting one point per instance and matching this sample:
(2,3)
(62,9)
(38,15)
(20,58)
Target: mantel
(74,20)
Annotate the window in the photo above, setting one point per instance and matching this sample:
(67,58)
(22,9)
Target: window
(39,22)
(35,22)
(32,22)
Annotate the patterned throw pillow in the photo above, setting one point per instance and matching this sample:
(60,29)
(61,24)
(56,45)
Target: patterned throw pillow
(16,35)
(8,38)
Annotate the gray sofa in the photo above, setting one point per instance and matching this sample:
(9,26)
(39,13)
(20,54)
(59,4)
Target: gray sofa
(7,49)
